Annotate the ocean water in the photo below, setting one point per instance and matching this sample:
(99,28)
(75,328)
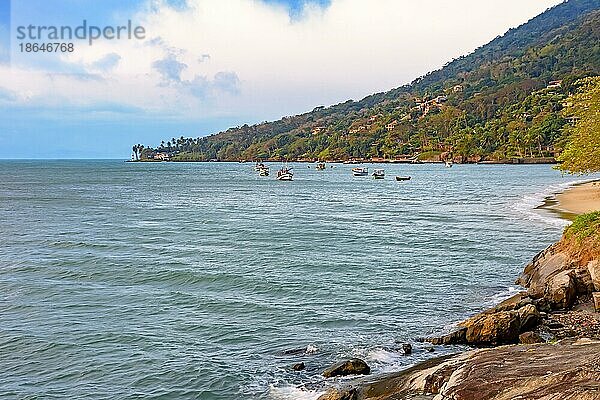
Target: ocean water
(204,281)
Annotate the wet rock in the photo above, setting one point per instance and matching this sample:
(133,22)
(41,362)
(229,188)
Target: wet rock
(529,317)
(493,329)
(530,338)
(456,337)
(407,349)
(354,366)
(594,270)
(340,394)
(560,291)
(298,366)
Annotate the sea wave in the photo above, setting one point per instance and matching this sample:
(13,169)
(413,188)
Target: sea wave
(290,392)
(529,205)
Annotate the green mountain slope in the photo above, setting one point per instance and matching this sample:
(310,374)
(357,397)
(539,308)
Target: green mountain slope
(495,103)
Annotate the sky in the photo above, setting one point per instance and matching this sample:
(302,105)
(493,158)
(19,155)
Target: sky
(207,65)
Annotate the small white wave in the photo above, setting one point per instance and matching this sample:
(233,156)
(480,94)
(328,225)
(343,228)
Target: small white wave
(528,206)
(310,349)
(501,296)
(293,393)
(382,356)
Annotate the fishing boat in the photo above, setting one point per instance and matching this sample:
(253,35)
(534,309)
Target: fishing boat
(360,171)
(403,178)
(378,174)
(264,171)
(320,167)
(259,166)
(285,174)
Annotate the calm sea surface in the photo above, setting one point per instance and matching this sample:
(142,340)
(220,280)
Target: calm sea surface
(202,280)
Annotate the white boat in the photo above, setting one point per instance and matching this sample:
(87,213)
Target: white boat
(320,167)
(378,174)
(360,171)
(448,164)
(259,166)
(285,174)
(264,171)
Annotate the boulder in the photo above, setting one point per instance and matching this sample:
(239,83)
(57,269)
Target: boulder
(594,270)
(529,317)
(354,366)
(583,282)
(560,290)
(493,329)
(530,338)
(407,349)
(456,337)
(596,296)
(298,367)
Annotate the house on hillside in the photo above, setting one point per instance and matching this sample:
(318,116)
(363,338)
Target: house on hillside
(457,88)
(162,156)
(391,126)
(554,84)
(318,129)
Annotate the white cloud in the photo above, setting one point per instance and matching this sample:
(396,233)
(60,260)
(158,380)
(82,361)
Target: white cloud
(219,57)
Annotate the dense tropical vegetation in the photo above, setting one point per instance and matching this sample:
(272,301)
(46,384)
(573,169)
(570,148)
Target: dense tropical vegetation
(511,98)
(582,150)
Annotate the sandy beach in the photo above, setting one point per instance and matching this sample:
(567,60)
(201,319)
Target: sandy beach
(579,199)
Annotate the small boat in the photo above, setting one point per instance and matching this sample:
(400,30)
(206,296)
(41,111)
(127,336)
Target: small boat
(448,164)
(259,166)
(403,178)
(264,171)
(320,167)
(378,174)
(285,174)
(360,171)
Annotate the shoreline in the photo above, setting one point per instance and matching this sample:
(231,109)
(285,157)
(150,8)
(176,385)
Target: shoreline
(579,198)
(540,325)
(511,161)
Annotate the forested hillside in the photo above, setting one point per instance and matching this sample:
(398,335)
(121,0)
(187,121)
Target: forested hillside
(506,99)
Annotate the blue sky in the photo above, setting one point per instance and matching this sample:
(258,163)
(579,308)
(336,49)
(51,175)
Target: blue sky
(206,65)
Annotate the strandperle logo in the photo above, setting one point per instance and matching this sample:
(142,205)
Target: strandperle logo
(84,31)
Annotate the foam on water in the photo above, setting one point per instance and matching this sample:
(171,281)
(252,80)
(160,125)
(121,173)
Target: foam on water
(529,205)
(290,392)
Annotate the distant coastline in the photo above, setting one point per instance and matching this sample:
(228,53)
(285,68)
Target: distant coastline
(510,161)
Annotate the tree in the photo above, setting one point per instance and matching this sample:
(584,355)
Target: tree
(582,152)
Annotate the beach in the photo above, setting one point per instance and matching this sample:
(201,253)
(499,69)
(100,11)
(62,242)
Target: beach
(578,199)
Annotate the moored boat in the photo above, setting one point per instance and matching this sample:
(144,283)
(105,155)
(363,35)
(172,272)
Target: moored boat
(403,178)
(448,164)
(285,174)
(320,167)
(264,171)
(360,171)
(378,174)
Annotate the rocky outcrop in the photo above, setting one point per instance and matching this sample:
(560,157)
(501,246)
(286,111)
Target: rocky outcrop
(354,366)
(530,338)
(569,370)
(593,268)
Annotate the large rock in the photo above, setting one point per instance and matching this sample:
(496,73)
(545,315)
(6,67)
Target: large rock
(594,270)
(560,290)
(354,366)
(529,316)
(596,298)
(567,371)
(493,329)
